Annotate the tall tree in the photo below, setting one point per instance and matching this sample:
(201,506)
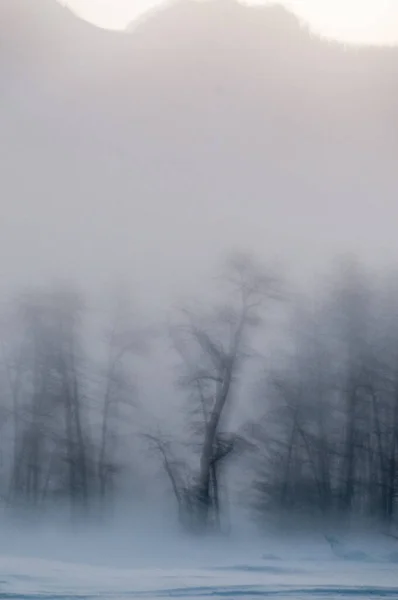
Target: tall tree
(214,346)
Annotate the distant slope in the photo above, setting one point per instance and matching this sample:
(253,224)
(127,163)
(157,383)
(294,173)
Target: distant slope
(211,125)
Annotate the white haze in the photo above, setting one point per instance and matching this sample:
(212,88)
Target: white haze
(146,158)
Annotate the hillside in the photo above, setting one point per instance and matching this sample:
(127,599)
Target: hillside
(209,126)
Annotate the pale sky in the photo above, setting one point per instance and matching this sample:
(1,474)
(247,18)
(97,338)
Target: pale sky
(357,21)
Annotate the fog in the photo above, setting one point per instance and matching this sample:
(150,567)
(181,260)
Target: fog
(198,324)
(147,156)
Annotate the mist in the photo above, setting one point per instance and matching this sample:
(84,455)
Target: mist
(198,323)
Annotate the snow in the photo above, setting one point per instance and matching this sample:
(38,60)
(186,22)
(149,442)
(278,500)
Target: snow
(297,572)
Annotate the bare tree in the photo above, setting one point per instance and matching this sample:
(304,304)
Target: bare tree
(52,445)
(124,339)
(213,347)
(329,438)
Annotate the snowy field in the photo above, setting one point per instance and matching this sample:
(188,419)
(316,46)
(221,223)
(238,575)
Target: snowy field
(305,571)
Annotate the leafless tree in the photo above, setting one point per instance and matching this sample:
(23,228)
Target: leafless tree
(52,443)
(213,346)
(329,439)
(124,339)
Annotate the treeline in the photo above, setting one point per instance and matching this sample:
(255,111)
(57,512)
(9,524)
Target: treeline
(323,391)
(64,390)
(330,436)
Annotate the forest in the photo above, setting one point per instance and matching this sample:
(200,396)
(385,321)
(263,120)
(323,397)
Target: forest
(279,399)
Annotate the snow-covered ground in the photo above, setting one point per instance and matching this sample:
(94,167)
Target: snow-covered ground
(296,572)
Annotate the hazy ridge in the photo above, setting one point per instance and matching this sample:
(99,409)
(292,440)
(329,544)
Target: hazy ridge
(212,119)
